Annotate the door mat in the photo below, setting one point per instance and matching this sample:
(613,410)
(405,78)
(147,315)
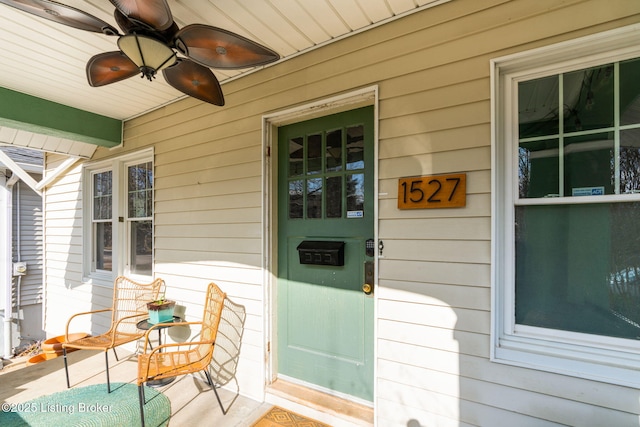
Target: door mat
(278,417)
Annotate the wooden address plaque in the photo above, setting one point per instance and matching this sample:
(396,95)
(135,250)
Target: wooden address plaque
(437,191)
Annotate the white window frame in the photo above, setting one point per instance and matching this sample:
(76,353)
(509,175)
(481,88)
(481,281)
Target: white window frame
(128,221)
(611,360)
(92,231)
(120,223)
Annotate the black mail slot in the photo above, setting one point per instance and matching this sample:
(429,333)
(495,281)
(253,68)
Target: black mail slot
(321,252)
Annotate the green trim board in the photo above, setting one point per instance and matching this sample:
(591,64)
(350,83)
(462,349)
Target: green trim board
(33,114)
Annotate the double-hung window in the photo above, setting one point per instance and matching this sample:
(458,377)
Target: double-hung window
(139,217)
(567,208)
(120,229)
(101,221)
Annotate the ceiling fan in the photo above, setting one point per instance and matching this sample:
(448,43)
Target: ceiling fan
(152,41)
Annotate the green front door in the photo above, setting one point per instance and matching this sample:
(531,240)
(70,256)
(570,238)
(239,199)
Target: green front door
(326,216)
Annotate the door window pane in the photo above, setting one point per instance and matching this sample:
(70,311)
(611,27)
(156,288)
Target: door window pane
(355,147)
(296,196)
(334,151)
(319,176)
(355,195)
(314,154)
(334,197)
(296,156)
(314,198)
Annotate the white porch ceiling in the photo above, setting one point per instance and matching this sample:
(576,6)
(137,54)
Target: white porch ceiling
(47,60)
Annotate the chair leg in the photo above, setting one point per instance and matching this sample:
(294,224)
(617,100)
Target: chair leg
(115,354)
(106,362)
(213,387)
(66,367)
(141,399)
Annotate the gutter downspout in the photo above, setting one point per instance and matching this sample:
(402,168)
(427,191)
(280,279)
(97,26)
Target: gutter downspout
(18,254)
(8,303)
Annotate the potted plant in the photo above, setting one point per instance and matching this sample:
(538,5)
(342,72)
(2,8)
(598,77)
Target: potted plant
(160,310)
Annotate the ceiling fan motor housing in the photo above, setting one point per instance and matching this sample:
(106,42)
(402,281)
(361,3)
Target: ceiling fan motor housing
(149,54)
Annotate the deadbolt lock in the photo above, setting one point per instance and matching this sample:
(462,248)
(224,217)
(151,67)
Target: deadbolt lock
(367,288)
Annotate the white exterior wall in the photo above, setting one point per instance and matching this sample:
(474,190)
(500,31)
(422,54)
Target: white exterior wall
(22,231)
(434,291)
(27,248)
(27,240)
(66,290)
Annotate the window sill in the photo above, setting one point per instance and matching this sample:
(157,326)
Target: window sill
(604,365)
(99,279)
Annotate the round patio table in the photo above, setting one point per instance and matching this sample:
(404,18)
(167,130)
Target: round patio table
(145,326)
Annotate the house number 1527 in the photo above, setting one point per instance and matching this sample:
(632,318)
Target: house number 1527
(437,191)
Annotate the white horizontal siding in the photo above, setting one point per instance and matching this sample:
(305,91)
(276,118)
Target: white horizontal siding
(435,272)
(438,316)
(65,292)
(63,302)
(439,409)
(470,343)
(27,245)
(433,295)
(208,213)
(428,293)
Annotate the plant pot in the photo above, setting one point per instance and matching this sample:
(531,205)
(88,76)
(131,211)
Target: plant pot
(160,312)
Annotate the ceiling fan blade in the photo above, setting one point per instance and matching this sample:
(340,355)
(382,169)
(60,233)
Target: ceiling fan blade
(110,67)
(218,48)
(195,80)
(63,14)
(152,13)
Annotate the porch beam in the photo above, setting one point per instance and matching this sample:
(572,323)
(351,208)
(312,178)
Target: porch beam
(29,113)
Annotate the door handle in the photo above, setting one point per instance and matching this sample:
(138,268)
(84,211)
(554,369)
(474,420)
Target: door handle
(367,288)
